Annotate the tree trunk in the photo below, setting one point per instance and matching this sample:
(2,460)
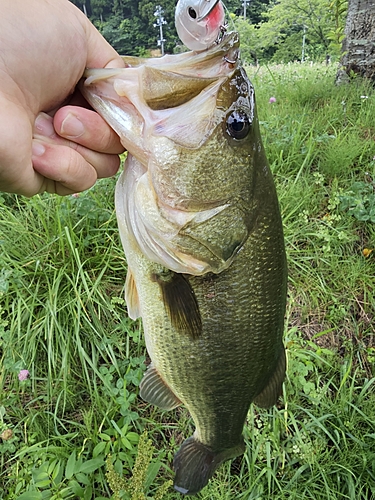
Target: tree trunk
(358,47)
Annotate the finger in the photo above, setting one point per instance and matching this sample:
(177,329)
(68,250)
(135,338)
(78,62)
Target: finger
(104,164)
(65,169)
(16,172)
(87,128)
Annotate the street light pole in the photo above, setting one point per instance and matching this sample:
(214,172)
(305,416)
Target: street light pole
(159,24)
(303,43)
(244,5)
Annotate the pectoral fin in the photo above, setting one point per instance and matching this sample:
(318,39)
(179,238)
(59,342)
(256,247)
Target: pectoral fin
(131,296)
(154,390)
(180,302)
(270,394)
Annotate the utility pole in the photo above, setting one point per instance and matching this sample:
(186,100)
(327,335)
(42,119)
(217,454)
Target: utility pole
(159,24)
(303,43)
(244,5)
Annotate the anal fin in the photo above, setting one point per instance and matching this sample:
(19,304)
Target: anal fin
(154,390)
(271,393)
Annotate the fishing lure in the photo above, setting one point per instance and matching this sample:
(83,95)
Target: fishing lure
(199,22)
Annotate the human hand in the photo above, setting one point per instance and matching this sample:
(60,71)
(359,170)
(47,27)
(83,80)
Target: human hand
(49,140)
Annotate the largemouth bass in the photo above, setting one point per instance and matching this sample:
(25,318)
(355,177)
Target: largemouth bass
(200,224)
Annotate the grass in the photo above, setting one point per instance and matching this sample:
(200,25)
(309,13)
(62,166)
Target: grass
(63,318)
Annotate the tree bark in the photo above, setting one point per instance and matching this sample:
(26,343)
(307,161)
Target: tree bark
(358,47)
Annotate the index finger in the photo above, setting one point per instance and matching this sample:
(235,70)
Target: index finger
(87,128)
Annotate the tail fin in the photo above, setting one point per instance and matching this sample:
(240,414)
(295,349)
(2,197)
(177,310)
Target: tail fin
(195,463)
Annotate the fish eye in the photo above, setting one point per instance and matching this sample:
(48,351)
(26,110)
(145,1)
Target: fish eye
(238,124)
(192,13)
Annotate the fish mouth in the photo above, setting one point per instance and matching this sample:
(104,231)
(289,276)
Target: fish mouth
(207,63)
(143,95)
(226,49)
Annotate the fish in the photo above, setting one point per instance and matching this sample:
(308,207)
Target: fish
(199,22)
(200,223)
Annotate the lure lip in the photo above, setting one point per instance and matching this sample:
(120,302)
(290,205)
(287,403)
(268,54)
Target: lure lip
(207,10)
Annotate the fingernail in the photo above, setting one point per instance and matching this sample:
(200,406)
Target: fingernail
(38,149)
(72,127)
(44,125)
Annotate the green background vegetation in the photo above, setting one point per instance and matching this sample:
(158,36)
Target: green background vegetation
(277,31)
(71,430)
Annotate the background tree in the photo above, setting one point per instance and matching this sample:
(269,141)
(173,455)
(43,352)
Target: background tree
(359,43)
(294,30)
(274,30)
(290,27)
(147,9)
(254,10)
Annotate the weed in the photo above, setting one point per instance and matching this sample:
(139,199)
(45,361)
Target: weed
(359,201)
(63,318)
(144,473)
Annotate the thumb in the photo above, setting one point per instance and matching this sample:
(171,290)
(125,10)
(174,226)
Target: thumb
(100,54)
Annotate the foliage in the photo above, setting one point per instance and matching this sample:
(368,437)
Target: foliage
(125,35)
(338,10)
(250,43)
(290,30)
(144,473)
(359,201)
(272,30)
(63,318)
(254,11)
